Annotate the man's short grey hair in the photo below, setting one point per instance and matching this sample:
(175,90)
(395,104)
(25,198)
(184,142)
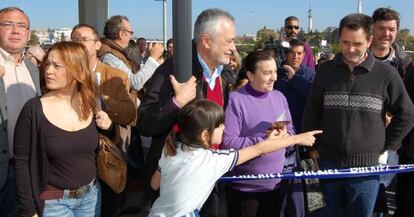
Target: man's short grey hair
(207,21)
(113,26)
(10,9)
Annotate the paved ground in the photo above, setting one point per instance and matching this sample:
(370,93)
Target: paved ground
(135,200)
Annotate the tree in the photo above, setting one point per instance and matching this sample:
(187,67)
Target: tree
(245,49)
(264,35)
(34,39)
(331,35)
(404,38)
(313,38)
(302,35)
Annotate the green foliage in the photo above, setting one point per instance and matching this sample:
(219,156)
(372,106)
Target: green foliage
(404,38)
(245,49)
(264,35)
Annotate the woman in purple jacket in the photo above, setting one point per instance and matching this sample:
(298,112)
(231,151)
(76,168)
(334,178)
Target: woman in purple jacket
(251,111)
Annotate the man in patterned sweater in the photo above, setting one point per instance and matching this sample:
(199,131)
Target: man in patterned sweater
(348,100)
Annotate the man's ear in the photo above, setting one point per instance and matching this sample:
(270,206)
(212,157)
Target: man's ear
(98,45)
(249,75)
(121,34)
(370,40)
(206,40)
(30,34)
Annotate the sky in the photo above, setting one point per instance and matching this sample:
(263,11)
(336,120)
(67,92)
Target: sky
(251,15)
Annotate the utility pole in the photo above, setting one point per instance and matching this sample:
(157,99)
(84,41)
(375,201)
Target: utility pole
(164,22)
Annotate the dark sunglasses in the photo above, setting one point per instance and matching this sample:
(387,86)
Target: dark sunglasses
(291,27)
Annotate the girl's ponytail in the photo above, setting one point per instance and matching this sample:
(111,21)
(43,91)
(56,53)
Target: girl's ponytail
(169,146)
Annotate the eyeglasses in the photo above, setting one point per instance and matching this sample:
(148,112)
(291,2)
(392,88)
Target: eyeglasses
(130,32)
(83,39)
(10,25)
(290,27)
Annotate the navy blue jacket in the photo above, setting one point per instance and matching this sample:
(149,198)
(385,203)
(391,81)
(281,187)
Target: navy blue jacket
(296,91)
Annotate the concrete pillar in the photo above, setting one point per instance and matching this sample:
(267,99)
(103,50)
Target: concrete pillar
(94,13)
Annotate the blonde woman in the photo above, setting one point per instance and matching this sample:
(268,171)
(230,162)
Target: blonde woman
(56,139)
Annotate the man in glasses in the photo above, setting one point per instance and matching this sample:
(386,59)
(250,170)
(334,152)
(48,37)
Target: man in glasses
(19,81)
(291,31)
(114,84)
(118,32)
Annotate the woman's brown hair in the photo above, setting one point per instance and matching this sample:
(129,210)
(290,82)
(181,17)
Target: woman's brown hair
(75,58)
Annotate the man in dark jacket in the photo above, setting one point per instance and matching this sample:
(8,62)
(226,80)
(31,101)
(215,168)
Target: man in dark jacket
(405,181)
(294,80)
(384,48)
(214,34)
(348,100)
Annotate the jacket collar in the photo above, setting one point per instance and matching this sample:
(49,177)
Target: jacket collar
(367,64)
(197,68)
(34,73)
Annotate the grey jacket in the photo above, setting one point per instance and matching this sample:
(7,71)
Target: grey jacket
(4,145)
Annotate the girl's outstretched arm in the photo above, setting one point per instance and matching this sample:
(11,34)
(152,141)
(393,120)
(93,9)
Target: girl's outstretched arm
(275,142)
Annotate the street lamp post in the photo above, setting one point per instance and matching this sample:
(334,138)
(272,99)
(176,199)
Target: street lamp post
(164,23)
(182,40)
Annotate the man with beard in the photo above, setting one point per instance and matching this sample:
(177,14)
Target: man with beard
(292,30)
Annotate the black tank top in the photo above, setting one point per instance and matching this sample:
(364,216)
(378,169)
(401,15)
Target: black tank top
(70,155)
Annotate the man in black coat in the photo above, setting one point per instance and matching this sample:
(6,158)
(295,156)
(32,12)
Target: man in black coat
(214,34)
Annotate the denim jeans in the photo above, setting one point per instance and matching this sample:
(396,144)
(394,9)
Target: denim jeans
(87,206)
(9,204)
(351,197)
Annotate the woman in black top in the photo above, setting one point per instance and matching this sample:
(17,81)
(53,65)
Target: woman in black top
(56,138)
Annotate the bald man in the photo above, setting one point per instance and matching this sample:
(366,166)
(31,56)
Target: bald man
(35,54)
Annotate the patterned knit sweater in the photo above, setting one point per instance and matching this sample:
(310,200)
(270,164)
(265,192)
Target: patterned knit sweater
(350,108)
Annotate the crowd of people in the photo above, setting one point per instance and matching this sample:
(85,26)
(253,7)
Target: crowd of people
(234,116)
